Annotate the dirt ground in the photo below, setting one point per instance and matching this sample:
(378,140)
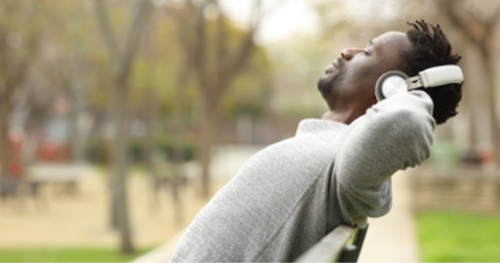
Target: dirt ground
(61,219)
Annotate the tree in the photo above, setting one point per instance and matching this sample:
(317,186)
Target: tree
(122,58)
(478,25)
(65,67)
(18,45)
(214,59)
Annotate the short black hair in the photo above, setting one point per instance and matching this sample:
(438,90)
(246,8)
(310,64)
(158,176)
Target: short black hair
(431,48)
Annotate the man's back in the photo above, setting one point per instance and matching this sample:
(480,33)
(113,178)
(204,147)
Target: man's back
(270,203)
(291,194)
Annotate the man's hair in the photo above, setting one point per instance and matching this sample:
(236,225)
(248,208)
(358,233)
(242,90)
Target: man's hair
(431,48)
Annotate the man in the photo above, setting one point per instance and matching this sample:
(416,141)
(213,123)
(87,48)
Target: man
(337,169)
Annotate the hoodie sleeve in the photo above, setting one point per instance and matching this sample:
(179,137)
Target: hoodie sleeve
(394,134)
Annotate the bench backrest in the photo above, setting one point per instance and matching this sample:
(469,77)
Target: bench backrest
(343,244)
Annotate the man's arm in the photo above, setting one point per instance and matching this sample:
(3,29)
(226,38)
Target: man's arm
(394,134)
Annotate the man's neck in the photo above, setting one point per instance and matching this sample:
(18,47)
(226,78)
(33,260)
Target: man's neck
(345,117)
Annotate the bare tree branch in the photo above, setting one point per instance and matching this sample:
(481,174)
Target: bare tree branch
(221,45)
(246,46)
(105,27)
(199,48)
(474,30)
(458,21)
(143,9)
(493,21)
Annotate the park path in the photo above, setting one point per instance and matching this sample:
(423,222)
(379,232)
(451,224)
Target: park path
(392,238)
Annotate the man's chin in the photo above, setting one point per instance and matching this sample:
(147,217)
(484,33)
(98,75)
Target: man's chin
(325,84)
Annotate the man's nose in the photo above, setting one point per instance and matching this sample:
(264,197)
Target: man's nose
(350,52)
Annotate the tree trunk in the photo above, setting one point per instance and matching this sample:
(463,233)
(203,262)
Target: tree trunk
(77,141)
(120,163)
(122,60)
(179,146)
(209,124)
(4,139)
(492,103)
(473,140)
(150,156)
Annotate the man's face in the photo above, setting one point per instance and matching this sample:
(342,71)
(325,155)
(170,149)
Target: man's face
(350,80)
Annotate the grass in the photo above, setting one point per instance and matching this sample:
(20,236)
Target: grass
(66,255)
(457,237)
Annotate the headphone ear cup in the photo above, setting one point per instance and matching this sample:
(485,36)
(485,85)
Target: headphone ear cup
(390,83)
(379,94)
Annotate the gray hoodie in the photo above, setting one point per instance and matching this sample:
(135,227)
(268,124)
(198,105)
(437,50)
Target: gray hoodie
(289,195)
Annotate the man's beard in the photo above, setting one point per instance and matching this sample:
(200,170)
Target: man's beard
(325,84)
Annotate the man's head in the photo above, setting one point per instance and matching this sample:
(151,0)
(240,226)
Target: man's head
(431,48)
(348,84)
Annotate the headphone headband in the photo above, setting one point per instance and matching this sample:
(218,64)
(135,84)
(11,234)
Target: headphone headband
(437,76)
(393,82)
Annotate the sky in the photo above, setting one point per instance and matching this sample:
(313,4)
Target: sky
(282,18)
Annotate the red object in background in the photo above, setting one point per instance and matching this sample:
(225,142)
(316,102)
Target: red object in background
(16,167)
(52,152)
(486,156)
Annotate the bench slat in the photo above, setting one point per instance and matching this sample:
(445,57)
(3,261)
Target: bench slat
(329,247)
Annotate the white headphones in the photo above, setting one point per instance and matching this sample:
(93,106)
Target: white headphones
(393,82)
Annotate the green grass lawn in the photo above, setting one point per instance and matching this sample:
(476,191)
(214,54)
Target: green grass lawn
(66,255)
(456,237)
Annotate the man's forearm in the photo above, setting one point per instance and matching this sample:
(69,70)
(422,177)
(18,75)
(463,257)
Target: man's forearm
(395,134)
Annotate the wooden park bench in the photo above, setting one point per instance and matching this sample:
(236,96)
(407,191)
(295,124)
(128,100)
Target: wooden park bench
(342,244)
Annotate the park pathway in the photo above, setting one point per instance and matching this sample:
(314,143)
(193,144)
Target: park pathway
(392,238)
